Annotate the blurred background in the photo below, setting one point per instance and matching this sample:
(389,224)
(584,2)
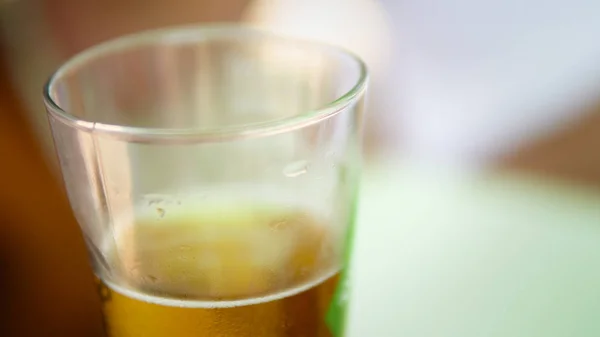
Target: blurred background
(504,86)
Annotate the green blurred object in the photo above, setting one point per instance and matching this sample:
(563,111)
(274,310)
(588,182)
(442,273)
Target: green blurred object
(444,253)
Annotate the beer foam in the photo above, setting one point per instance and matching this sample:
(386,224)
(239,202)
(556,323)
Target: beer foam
(195,304)
(206,201)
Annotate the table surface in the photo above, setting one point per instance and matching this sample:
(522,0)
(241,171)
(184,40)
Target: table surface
(446,254)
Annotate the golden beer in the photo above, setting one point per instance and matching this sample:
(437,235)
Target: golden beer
(253,271)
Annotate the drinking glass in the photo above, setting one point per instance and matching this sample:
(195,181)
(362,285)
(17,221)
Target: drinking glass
(213,171)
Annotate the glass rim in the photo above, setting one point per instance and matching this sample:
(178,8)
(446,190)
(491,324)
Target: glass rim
(200,33)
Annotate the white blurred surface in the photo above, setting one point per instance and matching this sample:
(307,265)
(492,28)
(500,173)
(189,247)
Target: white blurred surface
(358,25)
(361,26)
(467,80)
(478,78)
(441,254)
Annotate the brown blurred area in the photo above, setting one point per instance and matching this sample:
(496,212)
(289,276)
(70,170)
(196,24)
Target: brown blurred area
(571,154)
(83,23)
(44,273)
(47,284)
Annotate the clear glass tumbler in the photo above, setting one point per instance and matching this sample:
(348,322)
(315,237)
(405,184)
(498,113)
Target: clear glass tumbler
(213,171)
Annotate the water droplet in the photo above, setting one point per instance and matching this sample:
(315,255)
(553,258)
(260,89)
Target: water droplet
(153,201)
(296,169)
(277,225)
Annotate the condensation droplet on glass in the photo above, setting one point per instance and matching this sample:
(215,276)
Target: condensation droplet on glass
(278,224)
(296,169)
(153,201)
(133,271)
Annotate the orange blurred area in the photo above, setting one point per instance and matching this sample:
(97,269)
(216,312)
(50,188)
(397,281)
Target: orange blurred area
(44,270)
